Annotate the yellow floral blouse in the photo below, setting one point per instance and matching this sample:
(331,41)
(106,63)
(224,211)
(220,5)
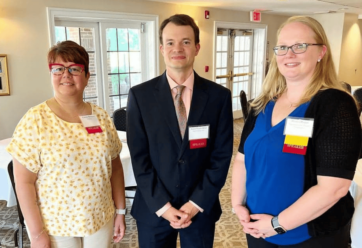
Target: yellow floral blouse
(74,168)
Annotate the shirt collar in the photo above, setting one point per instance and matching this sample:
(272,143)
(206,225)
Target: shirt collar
(189,83)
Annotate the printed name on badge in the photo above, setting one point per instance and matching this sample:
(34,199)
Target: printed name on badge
(198,136)
(91,123)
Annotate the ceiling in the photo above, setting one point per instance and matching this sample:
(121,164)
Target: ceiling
(280,7)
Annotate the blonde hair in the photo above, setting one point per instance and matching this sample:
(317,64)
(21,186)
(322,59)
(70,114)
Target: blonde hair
(324,76)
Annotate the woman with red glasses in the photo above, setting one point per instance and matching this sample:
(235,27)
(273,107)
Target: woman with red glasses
(69,177)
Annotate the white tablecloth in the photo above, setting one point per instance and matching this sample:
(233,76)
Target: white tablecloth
(129,179)
(356,192)
(6,190)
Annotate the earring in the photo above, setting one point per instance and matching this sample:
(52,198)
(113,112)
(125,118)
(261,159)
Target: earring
(319,60)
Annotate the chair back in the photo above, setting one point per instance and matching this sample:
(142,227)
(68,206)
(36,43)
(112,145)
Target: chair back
(18,243)
(357,94)
(244,104)
(120,119)
(11,176)
(347,86)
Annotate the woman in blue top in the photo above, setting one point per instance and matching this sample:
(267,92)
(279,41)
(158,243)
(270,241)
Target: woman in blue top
(299,148)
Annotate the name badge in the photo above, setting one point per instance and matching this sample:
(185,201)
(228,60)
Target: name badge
(297,132)
(198,136)
(91,123)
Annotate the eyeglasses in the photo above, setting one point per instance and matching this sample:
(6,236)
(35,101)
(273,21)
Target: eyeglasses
(59,69)
(296,48)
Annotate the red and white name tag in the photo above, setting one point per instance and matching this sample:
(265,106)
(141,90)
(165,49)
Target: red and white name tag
(91,123)
(198,136)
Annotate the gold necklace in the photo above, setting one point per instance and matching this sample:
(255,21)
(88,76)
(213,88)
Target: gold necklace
(290,102)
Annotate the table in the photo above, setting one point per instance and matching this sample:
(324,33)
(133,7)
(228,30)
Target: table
(356,192)
(129,179)
(6,190)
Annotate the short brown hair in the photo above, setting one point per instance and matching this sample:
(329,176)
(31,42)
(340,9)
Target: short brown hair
(69,51)
(181,20)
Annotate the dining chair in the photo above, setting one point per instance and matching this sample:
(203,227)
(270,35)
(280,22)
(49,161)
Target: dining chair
(120,119)
(244,104)
(120,122)
(347,86)
(21,226)
(357,94)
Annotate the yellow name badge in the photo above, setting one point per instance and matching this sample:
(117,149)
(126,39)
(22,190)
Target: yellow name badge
(295,144)
(297,132)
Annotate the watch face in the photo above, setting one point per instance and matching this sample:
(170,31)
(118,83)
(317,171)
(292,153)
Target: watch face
(279,230)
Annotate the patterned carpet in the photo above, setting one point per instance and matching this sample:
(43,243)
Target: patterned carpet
(228,232)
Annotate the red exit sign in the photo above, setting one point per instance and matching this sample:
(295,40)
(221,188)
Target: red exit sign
(255,16)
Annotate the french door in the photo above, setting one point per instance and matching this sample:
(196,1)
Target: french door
(239,62)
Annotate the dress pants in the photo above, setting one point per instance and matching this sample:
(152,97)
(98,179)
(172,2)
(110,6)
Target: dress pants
(100,239)
(339,239)
(166,236)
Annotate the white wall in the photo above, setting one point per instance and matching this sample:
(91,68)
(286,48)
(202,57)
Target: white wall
(24,38)
(333,26)
(350,66)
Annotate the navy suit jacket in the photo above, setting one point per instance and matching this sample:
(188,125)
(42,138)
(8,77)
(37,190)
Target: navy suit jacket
(165,168)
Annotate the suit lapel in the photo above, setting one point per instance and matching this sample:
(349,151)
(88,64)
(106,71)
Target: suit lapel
(198,104)
(167,108)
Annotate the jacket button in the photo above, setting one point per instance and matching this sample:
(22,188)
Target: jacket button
(176,186)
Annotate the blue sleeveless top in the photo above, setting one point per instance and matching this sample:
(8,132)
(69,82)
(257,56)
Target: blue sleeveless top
(274,179)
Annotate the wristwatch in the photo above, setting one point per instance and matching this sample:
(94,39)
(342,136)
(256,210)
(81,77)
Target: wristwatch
(121,211)
(277,227)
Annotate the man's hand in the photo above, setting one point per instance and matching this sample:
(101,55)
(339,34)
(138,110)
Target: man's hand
(174,216)
(190,211)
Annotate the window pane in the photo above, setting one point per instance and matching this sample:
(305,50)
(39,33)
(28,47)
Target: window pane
(114,104)
(122,39)
(113,84)
(123,62)
(59,34)
(224,43)
(73,34)
(111,39)
(135,61)
(124,100)
(134,39)
(124,83)
(237,43)
(136,78)
(112,61)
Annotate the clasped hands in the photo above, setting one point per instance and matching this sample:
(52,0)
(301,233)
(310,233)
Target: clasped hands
(260,227)
(181,218)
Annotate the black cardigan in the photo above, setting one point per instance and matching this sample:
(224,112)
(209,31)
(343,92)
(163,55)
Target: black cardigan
(332,151)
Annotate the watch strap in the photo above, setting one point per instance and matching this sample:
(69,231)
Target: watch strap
(277,227)
(121,211)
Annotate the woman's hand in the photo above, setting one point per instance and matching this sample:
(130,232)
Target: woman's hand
(261,226)
(244,217)
(43,241)
(119,227)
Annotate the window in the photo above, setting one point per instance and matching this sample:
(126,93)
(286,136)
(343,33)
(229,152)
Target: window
(116,44)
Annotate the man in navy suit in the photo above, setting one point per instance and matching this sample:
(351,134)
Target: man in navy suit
(180,136)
